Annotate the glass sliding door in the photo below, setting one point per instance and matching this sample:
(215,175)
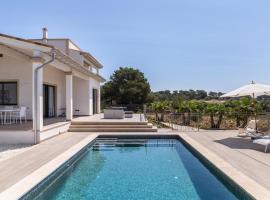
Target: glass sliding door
(95,101)
(49,97)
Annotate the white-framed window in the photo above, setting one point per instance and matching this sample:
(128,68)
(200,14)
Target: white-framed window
(8,93)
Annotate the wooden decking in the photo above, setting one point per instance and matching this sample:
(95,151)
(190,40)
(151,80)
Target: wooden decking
(18,167)
(241,153)
(48,122)
(97,123)
(28,126)
(238,153)
(100,118)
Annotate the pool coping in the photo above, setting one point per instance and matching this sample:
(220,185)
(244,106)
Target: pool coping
(19,189)
(26,184)
(249,185)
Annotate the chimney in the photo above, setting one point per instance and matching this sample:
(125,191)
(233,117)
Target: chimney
(45,35)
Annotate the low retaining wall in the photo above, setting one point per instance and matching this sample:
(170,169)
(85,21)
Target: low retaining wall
(54,130)
(27,136)
(17,137)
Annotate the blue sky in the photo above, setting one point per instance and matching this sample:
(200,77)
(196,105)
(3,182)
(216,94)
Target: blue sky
(178,44)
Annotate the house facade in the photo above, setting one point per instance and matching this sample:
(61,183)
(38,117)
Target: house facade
(66,87)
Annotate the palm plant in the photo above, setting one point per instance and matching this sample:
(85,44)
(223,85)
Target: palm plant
(221,112)
(243,109)
(215,110)
(210,109)
(155,107)
(192,110)
(160,107)
(175,105)
(164,106)
(196,108)
(188,108)
(183,108)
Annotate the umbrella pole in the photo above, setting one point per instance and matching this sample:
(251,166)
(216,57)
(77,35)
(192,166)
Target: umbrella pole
(254,110)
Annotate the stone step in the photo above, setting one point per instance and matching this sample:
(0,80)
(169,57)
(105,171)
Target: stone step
(110,126)
(107,123)
(112,129)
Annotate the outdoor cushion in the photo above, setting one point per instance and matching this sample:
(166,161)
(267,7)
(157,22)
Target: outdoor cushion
(263,141)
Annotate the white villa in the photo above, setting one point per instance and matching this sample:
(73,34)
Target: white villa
(66,87)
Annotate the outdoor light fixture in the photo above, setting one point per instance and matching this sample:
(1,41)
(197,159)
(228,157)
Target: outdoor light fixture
(1,55)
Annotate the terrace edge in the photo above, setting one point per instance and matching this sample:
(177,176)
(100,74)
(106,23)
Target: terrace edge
(29,182)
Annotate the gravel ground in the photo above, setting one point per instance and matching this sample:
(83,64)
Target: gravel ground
(8,151)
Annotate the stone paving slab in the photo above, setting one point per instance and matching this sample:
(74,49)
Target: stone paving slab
(100,118)
(241,153)
(14,169)
(254,188)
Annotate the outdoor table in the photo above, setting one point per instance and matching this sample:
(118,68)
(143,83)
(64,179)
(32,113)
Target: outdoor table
(8,112)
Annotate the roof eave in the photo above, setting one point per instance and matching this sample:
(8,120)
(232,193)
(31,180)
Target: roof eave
(92,59)
(24,44)
(78,67)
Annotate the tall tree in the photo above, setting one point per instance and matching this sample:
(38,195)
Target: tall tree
(126,86)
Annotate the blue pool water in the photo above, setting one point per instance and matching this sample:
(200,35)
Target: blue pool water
(144,169)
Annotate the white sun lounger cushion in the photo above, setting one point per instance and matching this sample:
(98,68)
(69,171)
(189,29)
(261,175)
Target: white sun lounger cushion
(264,142)
(251,130)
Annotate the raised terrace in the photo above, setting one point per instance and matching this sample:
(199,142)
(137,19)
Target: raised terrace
(97,123)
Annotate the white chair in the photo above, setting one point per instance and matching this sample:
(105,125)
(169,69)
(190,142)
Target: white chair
(263,141)
(250,130)
(21,114)
(2,118)
(8,116)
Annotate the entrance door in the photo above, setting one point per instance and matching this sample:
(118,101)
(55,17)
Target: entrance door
(95,101)
(49,101)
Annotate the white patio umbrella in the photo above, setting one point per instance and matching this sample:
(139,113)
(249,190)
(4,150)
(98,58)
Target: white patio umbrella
(252,89)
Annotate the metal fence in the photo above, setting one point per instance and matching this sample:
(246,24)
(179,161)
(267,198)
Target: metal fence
(137,108)
(197,121)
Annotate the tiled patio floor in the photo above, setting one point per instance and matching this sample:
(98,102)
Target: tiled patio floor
(29,125)
(14,169)
(241,153)
(100,118)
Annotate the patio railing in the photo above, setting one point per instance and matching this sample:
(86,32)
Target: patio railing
(197,121)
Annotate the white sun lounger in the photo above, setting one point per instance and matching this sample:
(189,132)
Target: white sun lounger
(263,141)
(250,130)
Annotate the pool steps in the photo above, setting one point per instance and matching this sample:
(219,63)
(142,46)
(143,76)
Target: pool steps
(86,126)
(108,144)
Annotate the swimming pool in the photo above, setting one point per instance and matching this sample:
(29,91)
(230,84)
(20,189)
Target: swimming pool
(137,168)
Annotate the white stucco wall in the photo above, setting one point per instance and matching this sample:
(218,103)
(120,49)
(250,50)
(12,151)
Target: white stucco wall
(17,68)
(16,137)
(94,84)
(61,44)
(14,68)
(81,95)
(71,45)
(57,129)
(76,56)
(55,77)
